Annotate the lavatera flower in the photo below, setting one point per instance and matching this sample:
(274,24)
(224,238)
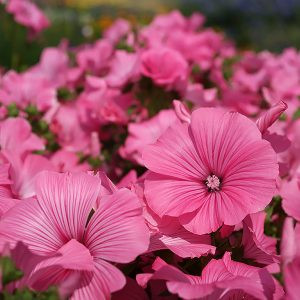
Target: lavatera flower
(77,248)
(215,170)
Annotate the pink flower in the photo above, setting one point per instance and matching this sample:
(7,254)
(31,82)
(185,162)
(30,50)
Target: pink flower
(65,161)
(290,192)
(146,133)
(17,140)
(256,245)
(201,97)
(119,29)
(95,58)
(27,88)
(99,104)
(70,133)
(56,224)
(164,66)
(216,170)
(220,278)
(124,68)
(53,66)
(291,259)
(28,14)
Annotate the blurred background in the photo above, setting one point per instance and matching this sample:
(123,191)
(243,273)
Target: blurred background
(252,24)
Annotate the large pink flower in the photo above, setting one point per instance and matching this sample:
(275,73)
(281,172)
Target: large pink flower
(56,225)
(216,170)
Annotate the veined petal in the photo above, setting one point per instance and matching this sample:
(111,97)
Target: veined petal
(117,231)
(67,199)
(106,280)
(28,223)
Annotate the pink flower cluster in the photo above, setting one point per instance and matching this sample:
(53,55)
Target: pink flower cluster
(111,188)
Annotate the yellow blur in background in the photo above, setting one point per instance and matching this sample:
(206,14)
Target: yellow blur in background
(153,5)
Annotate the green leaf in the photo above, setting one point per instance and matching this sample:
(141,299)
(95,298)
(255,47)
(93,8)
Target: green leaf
(10,272)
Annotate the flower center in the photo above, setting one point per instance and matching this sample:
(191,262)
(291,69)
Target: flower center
(213,183)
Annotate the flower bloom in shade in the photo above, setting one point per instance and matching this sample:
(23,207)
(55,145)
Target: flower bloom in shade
(220,279)
(56,224)
(216,170)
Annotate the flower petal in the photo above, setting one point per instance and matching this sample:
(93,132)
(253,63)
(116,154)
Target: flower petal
(117,231)
(67,199)
(28,223)
(106,280)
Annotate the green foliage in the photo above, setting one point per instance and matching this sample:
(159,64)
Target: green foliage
(9,270)
(12,110)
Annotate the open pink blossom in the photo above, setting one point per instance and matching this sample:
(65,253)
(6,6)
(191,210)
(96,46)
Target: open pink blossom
(216,170)
(220,279)
(26,88)
(56,224)
(164,66)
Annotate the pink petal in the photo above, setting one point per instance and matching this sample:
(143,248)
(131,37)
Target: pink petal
(4,174)
(182,112)
(28,223)
(265,121)
(117,231)
(174,155)
(206,219)
(24,174)
(106,280)
(291,274)
(168,196)
(258,246)
(71,257)
(182,243)
(288,242)
(67,199)
(290,198)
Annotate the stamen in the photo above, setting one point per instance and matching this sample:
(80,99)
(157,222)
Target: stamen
(213,183)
